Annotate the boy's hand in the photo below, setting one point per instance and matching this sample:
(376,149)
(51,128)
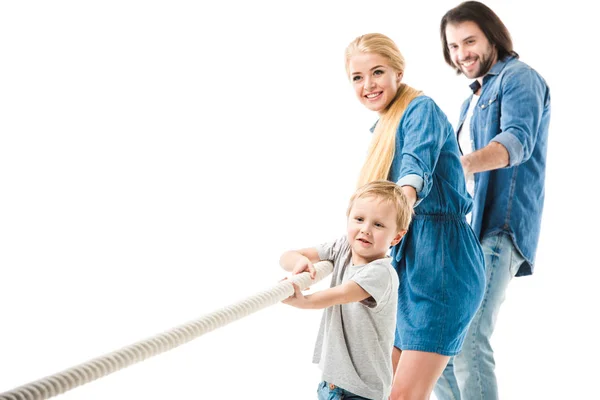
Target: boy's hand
(297,299)
(303,265)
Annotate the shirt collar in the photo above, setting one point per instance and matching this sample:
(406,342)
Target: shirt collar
(495,70)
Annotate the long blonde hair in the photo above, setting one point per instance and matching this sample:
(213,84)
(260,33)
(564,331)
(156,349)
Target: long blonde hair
(383,145)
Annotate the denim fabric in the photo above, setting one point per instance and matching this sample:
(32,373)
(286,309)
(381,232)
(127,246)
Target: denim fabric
(427,157)
(439,261)
(324,393)
(514,110)
(470,375)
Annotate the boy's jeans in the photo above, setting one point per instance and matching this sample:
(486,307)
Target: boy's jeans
(328,391)
(470,375)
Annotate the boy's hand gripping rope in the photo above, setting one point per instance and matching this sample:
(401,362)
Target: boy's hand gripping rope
(99,367)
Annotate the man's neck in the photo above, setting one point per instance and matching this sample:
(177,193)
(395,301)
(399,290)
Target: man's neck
(480,78)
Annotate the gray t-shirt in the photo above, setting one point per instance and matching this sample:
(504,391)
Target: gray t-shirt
(354,345)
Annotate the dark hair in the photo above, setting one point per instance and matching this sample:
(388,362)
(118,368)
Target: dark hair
(489,23)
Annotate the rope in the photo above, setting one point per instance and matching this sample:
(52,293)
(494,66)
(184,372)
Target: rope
(99,367)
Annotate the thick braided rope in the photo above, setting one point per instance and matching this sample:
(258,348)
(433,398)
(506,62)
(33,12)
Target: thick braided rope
(89,371)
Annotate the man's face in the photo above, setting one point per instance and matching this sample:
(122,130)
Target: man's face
(470,50)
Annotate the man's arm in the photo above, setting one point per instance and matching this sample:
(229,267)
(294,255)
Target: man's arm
(524,98)
(492,156)
(348,292)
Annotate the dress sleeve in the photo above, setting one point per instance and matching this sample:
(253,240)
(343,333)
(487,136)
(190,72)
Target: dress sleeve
(422,130)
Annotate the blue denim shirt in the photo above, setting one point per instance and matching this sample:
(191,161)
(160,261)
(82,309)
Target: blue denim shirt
(514,110)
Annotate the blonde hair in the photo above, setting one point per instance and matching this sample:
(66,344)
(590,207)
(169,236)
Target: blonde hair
(383,145)
(389,192)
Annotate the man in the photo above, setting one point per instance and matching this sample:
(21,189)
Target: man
(503,136)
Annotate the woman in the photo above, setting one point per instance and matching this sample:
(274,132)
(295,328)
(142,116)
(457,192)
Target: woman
(440,263)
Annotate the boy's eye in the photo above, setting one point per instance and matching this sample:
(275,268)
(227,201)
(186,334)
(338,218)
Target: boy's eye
(359,219)
(377,224)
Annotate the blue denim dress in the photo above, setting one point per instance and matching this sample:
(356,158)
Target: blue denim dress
(439,261)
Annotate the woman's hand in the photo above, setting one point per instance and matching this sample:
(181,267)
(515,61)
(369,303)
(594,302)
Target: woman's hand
(411,195)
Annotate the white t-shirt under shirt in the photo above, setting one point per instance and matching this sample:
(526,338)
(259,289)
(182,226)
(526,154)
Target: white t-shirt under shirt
(466,145)
(355,341)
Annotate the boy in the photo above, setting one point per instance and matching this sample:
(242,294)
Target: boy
(355,340)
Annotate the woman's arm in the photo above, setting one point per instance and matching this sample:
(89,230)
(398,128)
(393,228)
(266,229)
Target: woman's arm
(423,131)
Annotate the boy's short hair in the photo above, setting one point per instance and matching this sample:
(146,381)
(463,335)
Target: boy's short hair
(386,191)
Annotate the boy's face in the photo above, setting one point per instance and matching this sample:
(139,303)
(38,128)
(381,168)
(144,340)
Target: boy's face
(372,229)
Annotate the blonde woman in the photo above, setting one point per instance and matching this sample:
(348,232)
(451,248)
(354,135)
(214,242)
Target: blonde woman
(440,263)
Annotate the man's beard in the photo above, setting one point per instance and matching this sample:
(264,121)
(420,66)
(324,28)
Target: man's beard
(485,64)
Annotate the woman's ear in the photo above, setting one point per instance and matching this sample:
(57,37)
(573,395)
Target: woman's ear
(399,76)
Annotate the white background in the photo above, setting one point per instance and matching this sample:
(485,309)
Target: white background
(157,157)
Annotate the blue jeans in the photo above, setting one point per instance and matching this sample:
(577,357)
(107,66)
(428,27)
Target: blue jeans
(327,391)
(470,375)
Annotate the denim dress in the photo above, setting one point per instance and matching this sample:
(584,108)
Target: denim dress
(439,261)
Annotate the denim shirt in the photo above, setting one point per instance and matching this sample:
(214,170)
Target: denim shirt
(513,110)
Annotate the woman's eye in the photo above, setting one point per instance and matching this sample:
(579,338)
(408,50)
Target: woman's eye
(356,78)
(378,72)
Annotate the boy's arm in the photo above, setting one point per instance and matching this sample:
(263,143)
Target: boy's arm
(348,292)
(298,261)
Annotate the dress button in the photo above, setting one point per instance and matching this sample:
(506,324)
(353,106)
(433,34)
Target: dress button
(331,386)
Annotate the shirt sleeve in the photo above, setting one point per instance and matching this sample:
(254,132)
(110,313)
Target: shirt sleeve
(423,131)
(331,251)
(524,98)
(379,280)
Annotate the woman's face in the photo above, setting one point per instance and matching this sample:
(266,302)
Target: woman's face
(375,82)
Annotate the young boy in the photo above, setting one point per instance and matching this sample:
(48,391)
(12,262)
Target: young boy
(355,340)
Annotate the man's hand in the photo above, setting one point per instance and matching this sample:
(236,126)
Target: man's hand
(466,165)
